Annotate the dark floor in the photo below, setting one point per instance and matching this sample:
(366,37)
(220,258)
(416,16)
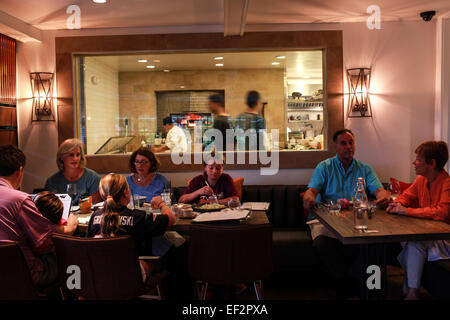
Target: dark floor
(309,288)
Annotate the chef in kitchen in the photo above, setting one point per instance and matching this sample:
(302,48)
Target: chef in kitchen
(175,139)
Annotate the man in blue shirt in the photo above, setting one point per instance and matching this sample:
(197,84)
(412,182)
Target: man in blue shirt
(333,179)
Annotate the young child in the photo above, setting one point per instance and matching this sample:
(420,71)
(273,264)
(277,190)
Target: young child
(50,206)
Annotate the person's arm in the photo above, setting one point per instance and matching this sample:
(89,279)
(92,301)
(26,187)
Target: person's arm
(189,197)
(69,227)
(316,184)
(309,198)
(410,197)
(383,197)
(439,211)
(157,202)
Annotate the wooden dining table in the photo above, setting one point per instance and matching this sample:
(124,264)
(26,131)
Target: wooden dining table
(383,228)
(184,225)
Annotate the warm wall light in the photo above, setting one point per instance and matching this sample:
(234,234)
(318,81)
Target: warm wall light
(359,100)
(42,89)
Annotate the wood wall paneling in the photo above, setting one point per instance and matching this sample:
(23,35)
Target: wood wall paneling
(8,118)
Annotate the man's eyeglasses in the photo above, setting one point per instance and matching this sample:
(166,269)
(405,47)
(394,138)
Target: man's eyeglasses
(144,162)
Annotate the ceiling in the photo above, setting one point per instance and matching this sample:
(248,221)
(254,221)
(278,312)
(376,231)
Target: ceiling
(51,14)
(299,65)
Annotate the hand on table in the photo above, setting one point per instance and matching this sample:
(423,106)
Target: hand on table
(396,207)
(383,202)
(157,202)
(72,220)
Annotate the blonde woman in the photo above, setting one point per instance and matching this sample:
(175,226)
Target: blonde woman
(71,162)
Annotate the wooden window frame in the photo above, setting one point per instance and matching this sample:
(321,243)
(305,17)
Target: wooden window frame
(328,41)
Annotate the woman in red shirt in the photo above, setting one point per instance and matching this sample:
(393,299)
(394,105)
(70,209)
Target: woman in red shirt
(428,197)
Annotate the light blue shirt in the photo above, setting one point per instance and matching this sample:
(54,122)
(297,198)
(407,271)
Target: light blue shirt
(333,182)
(87,184)
(153,189)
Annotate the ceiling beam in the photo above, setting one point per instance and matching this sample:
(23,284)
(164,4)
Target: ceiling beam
(235,17)
(19,30)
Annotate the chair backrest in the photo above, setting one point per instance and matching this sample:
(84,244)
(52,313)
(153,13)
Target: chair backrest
(16,282)
(109,267)
(230,254)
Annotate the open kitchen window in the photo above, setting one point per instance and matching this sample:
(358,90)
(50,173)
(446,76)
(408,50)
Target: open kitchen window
(125,97)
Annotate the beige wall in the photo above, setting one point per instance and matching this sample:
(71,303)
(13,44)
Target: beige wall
(402,57)
(138,99)
(102,100)
(38,140)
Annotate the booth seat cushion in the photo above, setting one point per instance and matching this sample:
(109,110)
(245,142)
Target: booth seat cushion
(286,208)
(292,248)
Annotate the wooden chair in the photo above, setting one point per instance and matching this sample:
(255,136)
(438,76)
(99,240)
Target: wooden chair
(108,267)
(229,255)
(16,282)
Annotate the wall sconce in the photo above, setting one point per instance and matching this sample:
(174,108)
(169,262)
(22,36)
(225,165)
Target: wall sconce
(359,100)
(42,89)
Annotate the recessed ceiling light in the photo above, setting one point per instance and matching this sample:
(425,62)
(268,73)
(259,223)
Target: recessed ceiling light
(182,87)
(218,58)
(142,60)
(99,1)
(275,63)
(151,67)
(166,70)
(219,64)
(281,57)
(156,60)
(306,77)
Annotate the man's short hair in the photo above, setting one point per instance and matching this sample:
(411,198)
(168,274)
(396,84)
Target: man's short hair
(252,98)
(436,150)
(217,98)
(342,131)
(167,120)
(11,159)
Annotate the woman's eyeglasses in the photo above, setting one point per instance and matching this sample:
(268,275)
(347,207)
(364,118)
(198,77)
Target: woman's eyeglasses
(144,162)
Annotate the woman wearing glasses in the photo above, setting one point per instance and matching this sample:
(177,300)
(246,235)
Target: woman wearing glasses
(144,180)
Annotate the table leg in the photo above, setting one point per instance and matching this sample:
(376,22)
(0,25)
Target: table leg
(373,255)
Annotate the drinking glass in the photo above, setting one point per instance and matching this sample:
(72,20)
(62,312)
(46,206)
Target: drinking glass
(166,195)
(394,189)
(334,207)
(138,200)
(372,209)
(234,204)
(72,190)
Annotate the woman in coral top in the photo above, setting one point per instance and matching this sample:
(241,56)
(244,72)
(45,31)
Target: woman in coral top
(428,197)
